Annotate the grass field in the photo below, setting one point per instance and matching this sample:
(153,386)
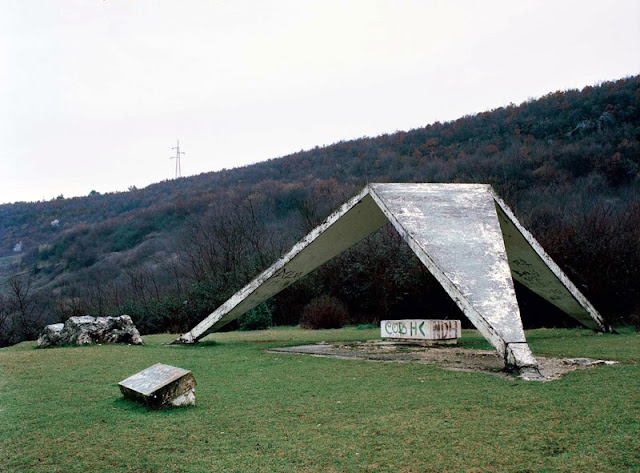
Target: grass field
(61,410)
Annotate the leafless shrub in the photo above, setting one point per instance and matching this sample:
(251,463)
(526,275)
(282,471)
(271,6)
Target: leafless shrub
(324,312)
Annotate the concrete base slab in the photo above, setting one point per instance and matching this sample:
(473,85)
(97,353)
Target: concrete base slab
(450,358)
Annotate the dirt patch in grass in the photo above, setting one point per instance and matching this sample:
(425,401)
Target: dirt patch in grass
(451,357)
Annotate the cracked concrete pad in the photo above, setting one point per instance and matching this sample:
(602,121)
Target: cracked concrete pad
(450,358)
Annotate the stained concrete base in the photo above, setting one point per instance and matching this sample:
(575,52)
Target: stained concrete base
(452,358)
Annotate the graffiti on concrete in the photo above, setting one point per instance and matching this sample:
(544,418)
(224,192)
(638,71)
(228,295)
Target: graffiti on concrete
(419,329)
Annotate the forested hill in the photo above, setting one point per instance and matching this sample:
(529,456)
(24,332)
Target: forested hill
(568,164)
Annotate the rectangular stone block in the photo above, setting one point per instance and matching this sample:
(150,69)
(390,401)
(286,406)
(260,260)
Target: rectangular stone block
(160,385)
(421,329)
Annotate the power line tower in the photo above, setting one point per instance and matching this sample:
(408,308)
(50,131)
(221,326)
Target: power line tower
(177,158)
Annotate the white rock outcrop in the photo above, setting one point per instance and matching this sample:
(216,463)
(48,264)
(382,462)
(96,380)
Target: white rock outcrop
(87,329)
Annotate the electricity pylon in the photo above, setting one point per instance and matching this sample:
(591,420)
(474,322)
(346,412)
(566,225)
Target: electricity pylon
(177,158)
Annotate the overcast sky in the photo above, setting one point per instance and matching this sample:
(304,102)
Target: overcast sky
(94,93)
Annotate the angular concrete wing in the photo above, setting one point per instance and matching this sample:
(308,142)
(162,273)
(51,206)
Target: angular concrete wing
(456,230)
(532,267)
(348,225)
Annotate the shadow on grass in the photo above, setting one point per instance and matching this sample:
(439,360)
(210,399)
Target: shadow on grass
(203,344)
(127,405)
(550,334)
(91,345)
(475,344)
(57,347)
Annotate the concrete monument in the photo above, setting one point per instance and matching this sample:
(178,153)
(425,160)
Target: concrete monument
(464,234)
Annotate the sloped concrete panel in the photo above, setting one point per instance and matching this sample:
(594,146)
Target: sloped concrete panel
(454,230)
(532,267)
(354,221)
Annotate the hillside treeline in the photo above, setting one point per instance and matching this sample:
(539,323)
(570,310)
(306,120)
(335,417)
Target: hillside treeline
(568,164)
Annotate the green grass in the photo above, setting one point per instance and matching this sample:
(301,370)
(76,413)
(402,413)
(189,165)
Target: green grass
(61,410)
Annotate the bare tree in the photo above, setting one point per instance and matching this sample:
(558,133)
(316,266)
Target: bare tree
(228,244)
(4,322)
(24,310)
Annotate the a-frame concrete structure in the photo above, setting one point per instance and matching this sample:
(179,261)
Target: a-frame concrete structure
(463,233)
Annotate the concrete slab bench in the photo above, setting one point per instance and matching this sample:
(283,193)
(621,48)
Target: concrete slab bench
(424,331)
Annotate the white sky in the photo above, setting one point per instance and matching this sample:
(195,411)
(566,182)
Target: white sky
(94,93)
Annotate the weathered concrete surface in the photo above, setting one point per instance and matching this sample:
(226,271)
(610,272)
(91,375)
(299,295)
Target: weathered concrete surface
(456,230)
(348,225)
(86,330)
(159,386)
(533,267)
(421,329)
